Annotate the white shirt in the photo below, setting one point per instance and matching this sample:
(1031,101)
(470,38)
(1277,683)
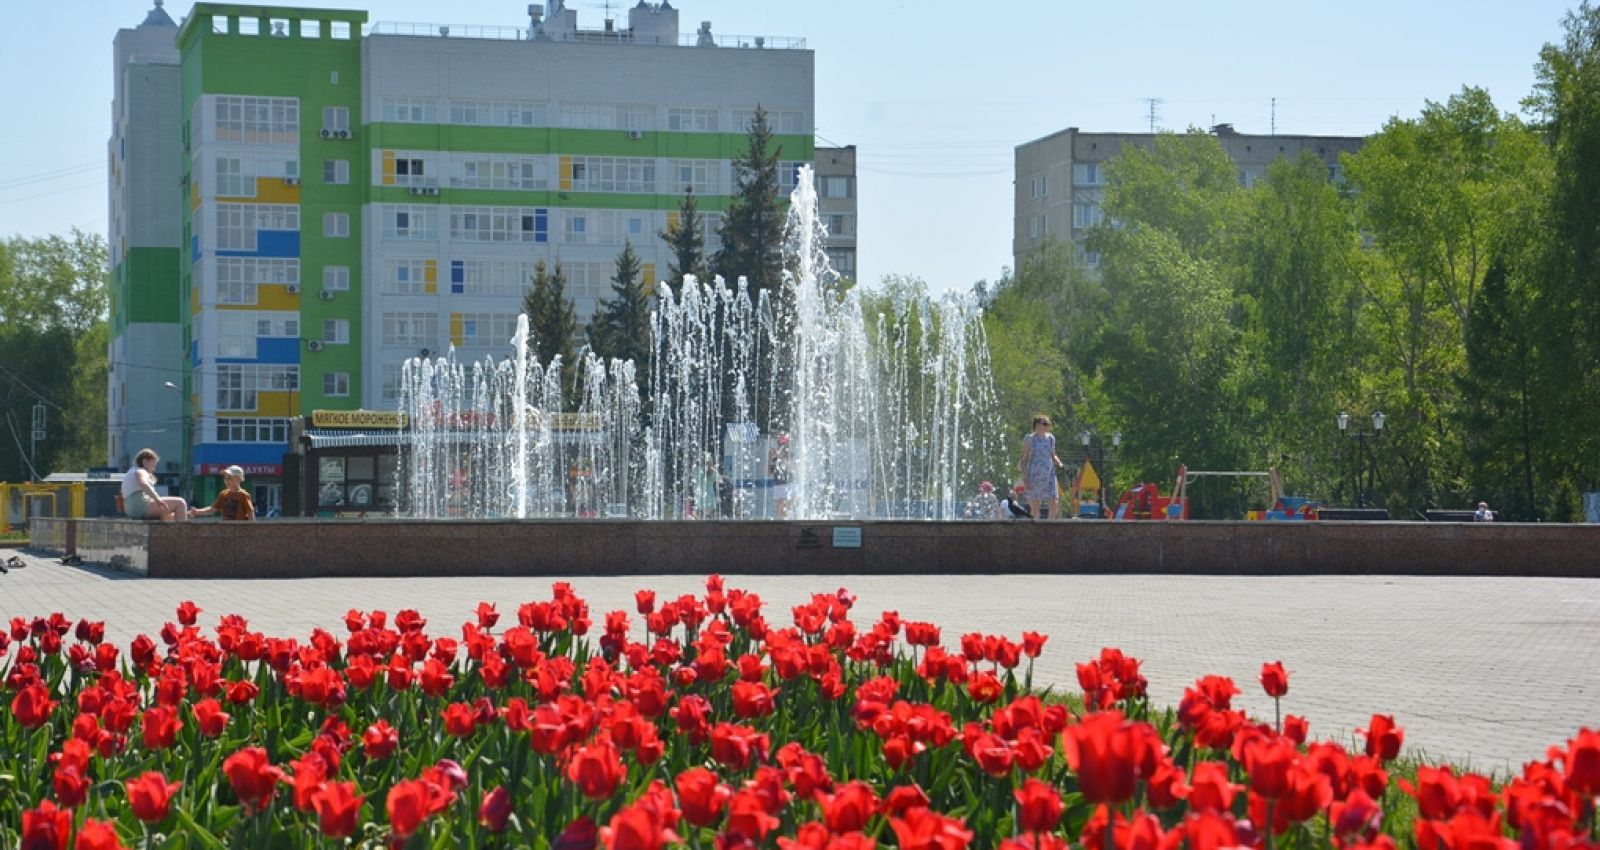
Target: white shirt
(130,482)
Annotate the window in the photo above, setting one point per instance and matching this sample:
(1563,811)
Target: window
(1036,227)
(336,225)
(490,277)
(249,429)
(490,171)
(238,277)
(841,224)
(1087,174)
(607,116)
(783,121)
(838,187)
(340,30)
(336,172)
(410,329)
(236,177)
(843,261)
(408,172)
(336,119)
(336,383)
(311,29)
(1087,258)
(238,384)
(498,113)
(485,330)
(410,110)
(1039,187)
(406,221)
(273,120)
(405,277)
(694,120)
(498,224)
(698,175)
(1085,215)
(391,382)
(335,278)
(336,331)
(789,176)
(613,174)
(238,225)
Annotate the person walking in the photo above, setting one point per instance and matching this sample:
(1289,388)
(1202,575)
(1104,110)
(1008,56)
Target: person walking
(139,497)
(1039,465)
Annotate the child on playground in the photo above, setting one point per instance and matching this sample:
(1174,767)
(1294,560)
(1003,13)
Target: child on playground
(233,503)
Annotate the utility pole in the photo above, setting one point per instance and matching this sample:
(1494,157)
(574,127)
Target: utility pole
(1274,116)
(39,413)
(1154,115)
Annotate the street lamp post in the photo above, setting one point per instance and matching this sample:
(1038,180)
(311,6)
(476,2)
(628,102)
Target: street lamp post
(185,425)
(1363,462)
(1094,447)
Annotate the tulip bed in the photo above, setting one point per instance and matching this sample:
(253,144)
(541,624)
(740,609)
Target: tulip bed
(695,722)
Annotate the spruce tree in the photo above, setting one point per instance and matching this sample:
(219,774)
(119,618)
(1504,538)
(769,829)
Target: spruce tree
(551,321)
(687,241)
(752,226)
(621,326)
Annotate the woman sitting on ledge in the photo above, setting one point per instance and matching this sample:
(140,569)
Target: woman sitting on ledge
(139,497)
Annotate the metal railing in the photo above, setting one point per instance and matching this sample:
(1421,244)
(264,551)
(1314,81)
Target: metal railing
(621,36)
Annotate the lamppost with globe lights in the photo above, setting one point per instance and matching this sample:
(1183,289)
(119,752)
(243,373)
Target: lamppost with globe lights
(1363,457)
(1095,446)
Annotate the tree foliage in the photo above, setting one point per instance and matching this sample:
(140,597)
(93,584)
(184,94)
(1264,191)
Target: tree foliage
(752,225)
(551,321)
(686,237)
(621,326)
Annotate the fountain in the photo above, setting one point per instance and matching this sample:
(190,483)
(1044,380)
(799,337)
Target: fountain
(887,415)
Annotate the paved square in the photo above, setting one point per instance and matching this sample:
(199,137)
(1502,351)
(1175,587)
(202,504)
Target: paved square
(1486,672)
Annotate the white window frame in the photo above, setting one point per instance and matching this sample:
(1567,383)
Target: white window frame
(336,384)
(336,172)
(336,331)
(336,119)
(336,278)
(336,225)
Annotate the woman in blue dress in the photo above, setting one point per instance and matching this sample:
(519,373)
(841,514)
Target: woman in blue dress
(1039,465)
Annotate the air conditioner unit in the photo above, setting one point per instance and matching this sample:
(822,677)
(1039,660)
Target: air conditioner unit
(635,134)
(430,190)
(294,288)
(291,181)
(327,295)
(326,133)
(314,344)
(344,134)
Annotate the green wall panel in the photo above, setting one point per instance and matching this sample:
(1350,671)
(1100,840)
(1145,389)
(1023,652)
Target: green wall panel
(553,140)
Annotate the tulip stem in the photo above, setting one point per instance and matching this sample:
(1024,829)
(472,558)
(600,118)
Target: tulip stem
(1277,714)
(1267,827)
(1111,829)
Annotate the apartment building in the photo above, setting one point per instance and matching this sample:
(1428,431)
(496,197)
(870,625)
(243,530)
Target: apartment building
(356,194)
(1061,178)
(836,203)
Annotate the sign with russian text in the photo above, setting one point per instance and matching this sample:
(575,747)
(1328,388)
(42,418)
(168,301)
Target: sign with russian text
(358,419)
(249,468)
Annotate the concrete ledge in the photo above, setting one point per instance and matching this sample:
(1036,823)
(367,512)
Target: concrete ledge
(389,548)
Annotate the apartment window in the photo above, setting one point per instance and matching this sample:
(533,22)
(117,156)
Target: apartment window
(843,261)
(694,120)
(235,177)
(1036,227)
(410,329)
(838,187)
(409,221)
(408,172)
(1044,186)
(249,429)
(336,331)
(335,278)
(410,110)
(1087,174)
(238,225)
(789,122)
(613,174)
(391,382)
(497,224)
(336,383)
(238,277)
(239,384)
(405,277)
(486,171)
(1085,215)
(607,116)
(841,224)
(697,175)
(336,172)
(272,120)
(336,225)
(336,119)
(498,113)
(486,330)
(490,277)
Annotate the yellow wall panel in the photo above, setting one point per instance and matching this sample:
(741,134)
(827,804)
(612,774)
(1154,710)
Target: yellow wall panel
(194,196)
(388,168)
(430,271)
(272,190)
(273,402)
(455,329)
(275,296)
(649,272)
(566,173)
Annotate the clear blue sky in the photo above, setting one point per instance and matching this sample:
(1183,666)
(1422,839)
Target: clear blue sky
(935,95)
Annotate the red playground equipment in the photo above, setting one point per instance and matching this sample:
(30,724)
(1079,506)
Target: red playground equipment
(1145,501)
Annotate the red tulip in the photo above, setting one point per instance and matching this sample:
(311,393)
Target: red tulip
(98,835)
(848,809)
(188,614)
(337,806)
(1033,643)
(408,806)
(1268,761)
(380,740)
(487,616)
(253,777)
(70,786)
(1582,763)
(209,717)
(1209,788)
(1295,728)
(1167,786)
(161,725)
(46,828)
(150,795)
(925,829)
(242,692)
(1106,751)
(701,796)
(1039,806)
(1274,679)
(1383,737)
(597,770)
(458,719)
(645,601)
(752,699)
(581,834)
(32,706)
(495,810)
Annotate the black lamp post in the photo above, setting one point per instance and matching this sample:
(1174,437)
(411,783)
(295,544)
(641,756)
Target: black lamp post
(1363,457)
(1094,446)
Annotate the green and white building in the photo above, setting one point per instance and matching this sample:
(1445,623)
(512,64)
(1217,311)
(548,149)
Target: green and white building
(336,197)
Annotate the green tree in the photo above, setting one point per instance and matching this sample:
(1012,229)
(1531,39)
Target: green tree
(551,322)
(1499,392)
(686,237)
(53,345)
(752,225)
(621,326)
(1566,102)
